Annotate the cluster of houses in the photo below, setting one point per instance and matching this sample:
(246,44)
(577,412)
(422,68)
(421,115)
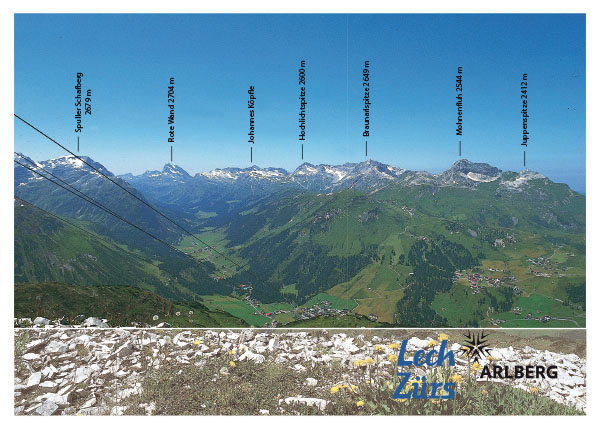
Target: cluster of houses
(259,311)
(201,249)
(269,314)
(251,301)
(499,242)
(271,324)
(542,261)
(323,308)
(529,316)
(544,319)
(477,281)
(505,241)
(548,264)
(541,274)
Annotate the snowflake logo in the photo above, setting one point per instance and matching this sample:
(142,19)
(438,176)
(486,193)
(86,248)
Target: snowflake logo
(476,346)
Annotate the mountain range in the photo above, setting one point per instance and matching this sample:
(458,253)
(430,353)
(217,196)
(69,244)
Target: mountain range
(367,175)
(382,241)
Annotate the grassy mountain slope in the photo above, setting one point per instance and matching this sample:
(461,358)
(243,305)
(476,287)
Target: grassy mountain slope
(49,196)
(419,251)
(120,305)
(49,249)
(356,245)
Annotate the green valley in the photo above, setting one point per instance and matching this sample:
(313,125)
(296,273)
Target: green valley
(390,246)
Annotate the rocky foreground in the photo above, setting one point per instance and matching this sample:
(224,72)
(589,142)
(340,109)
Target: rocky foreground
(98,371)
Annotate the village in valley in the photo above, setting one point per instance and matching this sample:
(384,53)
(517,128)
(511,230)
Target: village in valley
(321,308)
(528,282)
(531,276)
(477,281)
(551,267)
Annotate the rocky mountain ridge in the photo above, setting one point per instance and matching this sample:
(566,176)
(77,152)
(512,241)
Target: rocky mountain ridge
(324,177)
(170,184)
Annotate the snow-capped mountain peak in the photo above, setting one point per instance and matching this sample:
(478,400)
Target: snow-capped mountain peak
(174,170)
(366,175)
(253,172)
(369,175)
(71,164)
(25,160)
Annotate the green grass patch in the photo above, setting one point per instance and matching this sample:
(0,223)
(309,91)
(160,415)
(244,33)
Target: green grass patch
(235,307)
(336,302)
(289,290)
(538,306)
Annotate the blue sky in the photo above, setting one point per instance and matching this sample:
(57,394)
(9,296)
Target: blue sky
(127,61)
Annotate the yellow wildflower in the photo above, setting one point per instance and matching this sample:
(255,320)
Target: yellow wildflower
(491,358)
(456,378)
(400,399)
(369,361)
(432,343)
(475,367)
(359,363)
(393,358)
(435,401)
(352,388)
(484,392)
(394,346)
(360,404)
(379,349)
(197,342)
(232,364)
(443,337)
(533,389)
(231,352)
(335,389)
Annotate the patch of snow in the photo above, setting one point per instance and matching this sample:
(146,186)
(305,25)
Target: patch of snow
(338,174)
(522,179)
(476,177)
